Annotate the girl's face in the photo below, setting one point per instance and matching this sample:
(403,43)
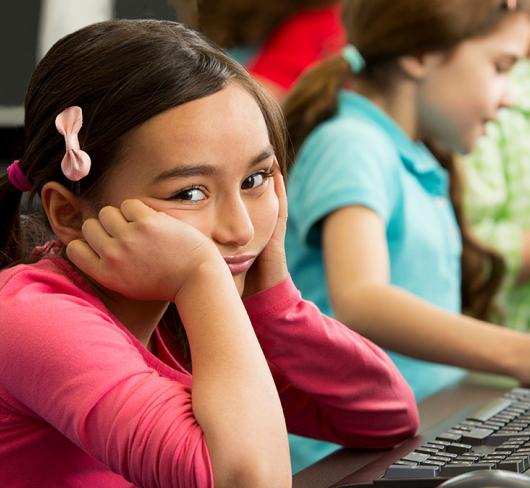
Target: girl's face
(208,163)
(462,92)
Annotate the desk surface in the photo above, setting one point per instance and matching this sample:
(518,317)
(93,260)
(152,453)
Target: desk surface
(475,389)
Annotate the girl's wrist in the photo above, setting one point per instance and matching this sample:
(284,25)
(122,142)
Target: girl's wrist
(210,274)
(514,359)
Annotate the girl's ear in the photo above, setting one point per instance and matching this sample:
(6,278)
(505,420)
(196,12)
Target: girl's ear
(63,210)
(415,67)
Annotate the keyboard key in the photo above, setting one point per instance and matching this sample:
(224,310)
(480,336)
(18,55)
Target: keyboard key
(490,409)
(471,423)
(406,463)
(448,436)
(458,448)
(416,457)
(399,471)
(492,458)
(467,458)
(454,469)
(427,450)
(523,450)
(442,459)
(499,438)
(515,465)
(448,455)
(493,425)
(523,458)
(476,436)
(438,443)
(431,462)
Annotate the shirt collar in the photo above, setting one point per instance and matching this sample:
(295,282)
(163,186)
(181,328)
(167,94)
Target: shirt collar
(415,155)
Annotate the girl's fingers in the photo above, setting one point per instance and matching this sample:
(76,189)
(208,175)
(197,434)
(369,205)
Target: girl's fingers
(83,256)
(96,236)
(279,188)
(135,210)
(113,221)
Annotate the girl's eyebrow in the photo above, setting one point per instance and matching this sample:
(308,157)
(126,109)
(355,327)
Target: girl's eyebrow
(186,171)
(265,154)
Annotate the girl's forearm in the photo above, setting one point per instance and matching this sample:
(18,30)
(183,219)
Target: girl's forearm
(234,397)
(400,321)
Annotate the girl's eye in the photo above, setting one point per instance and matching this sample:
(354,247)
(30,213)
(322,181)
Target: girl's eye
(255,180)
(190,195)
(503,67)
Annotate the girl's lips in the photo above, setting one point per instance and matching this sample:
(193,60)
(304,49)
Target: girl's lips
(239,264)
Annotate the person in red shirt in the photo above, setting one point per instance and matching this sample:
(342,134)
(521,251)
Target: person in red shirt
(285,39)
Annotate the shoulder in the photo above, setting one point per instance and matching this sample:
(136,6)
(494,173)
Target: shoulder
(47,303)
(326,21)
(51,279)
(345,141)
(53,327)
(356,131)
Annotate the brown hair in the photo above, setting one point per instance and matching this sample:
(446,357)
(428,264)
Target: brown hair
(383,31)
(121,73)
(233,23)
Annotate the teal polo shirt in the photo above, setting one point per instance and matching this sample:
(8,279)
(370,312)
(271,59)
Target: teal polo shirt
(362,157)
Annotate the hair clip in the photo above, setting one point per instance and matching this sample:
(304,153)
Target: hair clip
(17,178)
(76,163)
(354,58)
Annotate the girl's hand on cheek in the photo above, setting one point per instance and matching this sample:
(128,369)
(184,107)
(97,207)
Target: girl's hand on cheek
(270,268)
(141,253)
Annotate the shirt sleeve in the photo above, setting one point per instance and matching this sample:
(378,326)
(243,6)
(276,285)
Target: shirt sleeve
(297,43)
(85,377)
(342,163)
(334,384)
(488,203)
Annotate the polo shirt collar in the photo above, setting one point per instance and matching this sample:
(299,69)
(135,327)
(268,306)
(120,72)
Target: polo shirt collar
(414,155)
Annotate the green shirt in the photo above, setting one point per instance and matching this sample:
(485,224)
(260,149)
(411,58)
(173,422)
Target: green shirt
(497,193)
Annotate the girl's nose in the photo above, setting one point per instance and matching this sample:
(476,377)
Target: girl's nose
(233,224)
(506,100)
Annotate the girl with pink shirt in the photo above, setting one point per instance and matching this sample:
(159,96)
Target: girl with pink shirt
(158,340)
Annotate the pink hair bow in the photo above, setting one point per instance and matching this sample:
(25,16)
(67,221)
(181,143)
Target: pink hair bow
(75,163)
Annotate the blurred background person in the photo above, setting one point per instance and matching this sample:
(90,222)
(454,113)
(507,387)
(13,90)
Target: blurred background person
(375,231)
(276,41)
(497,197)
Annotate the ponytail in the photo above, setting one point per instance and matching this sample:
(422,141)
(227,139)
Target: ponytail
(314,99)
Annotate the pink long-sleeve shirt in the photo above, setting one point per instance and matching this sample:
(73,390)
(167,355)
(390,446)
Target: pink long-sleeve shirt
(84,404)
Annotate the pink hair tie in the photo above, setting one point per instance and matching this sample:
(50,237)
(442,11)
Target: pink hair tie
(17,178)
(76,163)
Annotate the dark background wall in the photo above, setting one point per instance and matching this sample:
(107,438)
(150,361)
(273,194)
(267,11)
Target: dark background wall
(19,25)
(19,22)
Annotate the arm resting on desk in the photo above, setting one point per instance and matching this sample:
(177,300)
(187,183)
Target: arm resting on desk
(334,384)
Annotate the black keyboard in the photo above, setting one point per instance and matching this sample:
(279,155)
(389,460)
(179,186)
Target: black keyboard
(495,436)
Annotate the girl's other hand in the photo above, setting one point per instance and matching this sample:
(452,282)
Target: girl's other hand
(270,268)
(141,253)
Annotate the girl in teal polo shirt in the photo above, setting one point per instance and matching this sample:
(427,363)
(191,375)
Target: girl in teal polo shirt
(374,238)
